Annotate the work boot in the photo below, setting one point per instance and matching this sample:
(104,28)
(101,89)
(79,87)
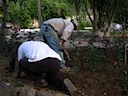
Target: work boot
(71,88)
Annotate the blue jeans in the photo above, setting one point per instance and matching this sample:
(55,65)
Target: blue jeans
(52,39)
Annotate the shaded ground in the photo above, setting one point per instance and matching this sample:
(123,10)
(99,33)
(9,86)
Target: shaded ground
(107,78)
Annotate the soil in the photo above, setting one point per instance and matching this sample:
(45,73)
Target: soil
(107,78)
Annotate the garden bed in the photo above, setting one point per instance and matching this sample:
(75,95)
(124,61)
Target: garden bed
(95,72)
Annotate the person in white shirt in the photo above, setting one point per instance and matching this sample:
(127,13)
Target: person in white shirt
(36,51)
(36,58)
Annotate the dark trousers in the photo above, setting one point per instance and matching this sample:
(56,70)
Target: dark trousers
(49,66)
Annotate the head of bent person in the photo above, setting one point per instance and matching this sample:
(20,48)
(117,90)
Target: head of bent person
(75,23)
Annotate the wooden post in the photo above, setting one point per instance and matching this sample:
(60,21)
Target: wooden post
(125,54)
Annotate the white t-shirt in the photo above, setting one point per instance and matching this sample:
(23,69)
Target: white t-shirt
(36,51)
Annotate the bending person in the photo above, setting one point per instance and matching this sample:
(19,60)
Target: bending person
(36,58)
(56,32)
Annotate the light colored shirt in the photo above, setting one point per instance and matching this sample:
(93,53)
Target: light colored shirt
(62,26)
(36,51)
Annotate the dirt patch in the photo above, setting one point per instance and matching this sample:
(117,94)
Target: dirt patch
(108,78)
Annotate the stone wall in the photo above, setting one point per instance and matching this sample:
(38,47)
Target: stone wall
(77,38)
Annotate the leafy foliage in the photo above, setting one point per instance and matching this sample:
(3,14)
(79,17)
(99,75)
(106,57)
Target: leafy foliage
(54,8)
(121,15)
(96,56)
(22,12)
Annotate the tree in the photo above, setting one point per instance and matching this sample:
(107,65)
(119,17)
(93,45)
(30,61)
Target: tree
(78,10)
(121,15)
(21,12)
(103,13)
(2,37)
(39,12)
(54,8)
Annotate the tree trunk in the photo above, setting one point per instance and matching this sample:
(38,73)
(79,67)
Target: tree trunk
(2,35)
(39,12)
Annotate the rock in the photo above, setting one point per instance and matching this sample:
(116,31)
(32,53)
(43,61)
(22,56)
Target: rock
(31,92)
(24,91)
(44,93)
(5,90)
(50,93)
(72,89)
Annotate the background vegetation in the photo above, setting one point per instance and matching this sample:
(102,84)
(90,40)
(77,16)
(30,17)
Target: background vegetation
(101,13)
(22,12)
